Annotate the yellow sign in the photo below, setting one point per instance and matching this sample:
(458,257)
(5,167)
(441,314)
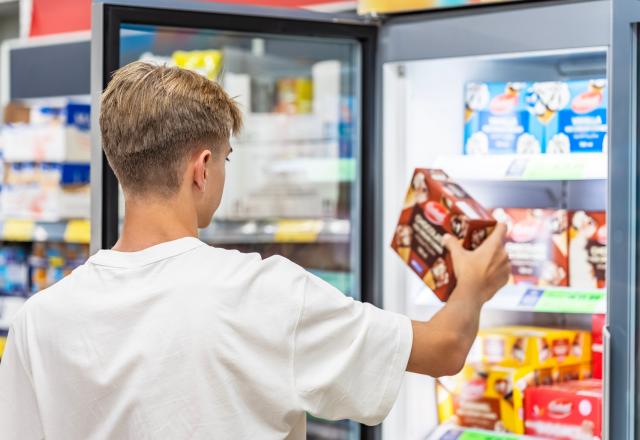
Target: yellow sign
(78,231)
(386,6)
(298,231)
(18,230)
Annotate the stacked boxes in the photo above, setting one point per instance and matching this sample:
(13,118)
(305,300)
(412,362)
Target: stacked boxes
(537,245)
(504,363)
(568,411)
(555,247)
(531,118)
(434,206)
(497,120)
(588,249)
(46,191)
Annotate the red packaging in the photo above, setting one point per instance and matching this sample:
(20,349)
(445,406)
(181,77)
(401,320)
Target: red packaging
(536,244)
(568,411)
(588,249)
(433,206)
(597,347)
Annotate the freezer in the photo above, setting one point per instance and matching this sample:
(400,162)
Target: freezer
(529,107)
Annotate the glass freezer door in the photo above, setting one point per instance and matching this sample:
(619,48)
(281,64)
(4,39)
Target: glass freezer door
(295,183)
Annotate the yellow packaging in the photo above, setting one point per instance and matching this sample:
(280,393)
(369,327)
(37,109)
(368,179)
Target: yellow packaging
(486,397)
(3,342)
(535,346)
(492,397)
(205,62)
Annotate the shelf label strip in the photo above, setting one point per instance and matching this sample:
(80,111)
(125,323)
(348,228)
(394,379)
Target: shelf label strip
(570,301)
(18,230)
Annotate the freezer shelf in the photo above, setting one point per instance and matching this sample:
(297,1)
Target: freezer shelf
(584,166)
(520,298)
(67,231)
(279,231)
(453,432)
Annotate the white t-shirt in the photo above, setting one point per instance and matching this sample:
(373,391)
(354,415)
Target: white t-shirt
(186,341)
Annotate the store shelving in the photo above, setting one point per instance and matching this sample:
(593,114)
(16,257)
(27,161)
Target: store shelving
(67,231)
(522,298)
(278,231)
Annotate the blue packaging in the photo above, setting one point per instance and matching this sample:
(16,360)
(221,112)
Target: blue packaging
(497,120)
(572,114)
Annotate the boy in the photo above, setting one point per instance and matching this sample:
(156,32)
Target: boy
(164,337)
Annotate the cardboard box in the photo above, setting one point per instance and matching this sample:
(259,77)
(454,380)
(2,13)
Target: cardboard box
(573,115)
(434,205)
(535,346)
(597,345)
(568,411)
(52,134)
(537,245)
(588,249)
(497,120)
(46,191)
(492,397)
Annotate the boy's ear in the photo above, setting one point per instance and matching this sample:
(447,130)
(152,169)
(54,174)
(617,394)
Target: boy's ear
(200,172)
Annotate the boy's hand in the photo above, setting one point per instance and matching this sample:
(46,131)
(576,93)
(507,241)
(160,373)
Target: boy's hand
(480,273)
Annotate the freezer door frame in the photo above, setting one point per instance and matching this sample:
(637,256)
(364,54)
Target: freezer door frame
(621,342)
(557,26)
(106,19)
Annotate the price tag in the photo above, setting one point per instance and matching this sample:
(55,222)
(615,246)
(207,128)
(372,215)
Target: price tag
(18,230)
(559,170)
(479,435)
(78,231)
(568,301)
(298,231)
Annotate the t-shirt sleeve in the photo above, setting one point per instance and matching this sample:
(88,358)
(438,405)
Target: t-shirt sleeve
(19,414)
(349,357)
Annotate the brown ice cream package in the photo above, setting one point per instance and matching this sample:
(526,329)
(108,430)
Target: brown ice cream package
(588,249)
(537,243)
(434,206)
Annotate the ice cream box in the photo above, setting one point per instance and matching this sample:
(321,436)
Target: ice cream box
(537,245)
(485,397)
(572,114)
(537,346)
(597,344)
(492,397)
(497,120)
(588,249)
(435,205)
(568,411)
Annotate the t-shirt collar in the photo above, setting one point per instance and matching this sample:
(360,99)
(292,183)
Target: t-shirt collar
(107,257)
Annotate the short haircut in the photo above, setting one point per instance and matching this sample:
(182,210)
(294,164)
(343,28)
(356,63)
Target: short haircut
(153,117)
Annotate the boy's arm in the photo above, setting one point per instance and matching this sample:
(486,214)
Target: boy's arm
(441,345)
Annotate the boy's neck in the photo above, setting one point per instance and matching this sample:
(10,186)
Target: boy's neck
(150,222)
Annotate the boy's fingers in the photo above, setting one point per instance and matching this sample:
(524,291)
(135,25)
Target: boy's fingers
(497,236)
(453,246)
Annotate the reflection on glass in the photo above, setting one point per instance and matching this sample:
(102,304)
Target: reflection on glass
(292,184)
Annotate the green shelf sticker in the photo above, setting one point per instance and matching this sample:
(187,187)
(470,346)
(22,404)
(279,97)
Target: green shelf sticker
(569,301)
(560,170)
(481,435)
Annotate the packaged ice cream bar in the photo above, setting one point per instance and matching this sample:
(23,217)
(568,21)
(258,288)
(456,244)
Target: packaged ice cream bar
(536,244)
(588,249)
(572,114)
(497,120)
(537,346)
(568,411)
(434,205)
(492,397)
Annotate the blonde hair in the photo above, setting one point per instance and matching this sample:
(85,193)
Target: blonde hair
(153,117)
